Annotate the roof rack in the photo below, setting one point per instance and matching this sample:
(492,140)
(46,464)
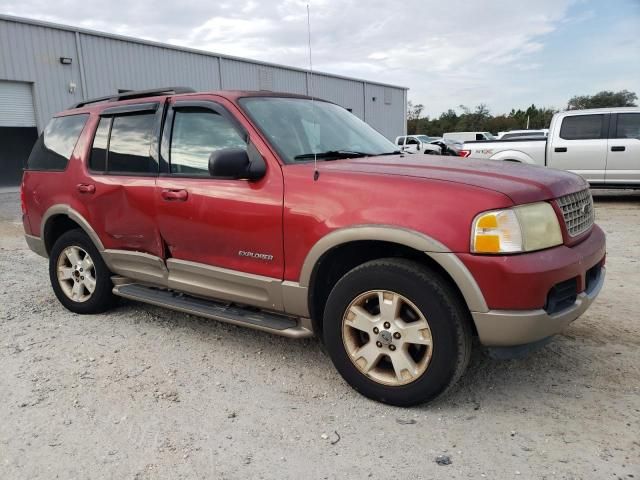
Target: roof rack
(136,94)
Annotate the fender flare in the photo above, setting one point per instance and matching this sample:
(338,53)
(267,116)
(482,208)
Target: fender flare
(513,155)
(66,210)
(434,249)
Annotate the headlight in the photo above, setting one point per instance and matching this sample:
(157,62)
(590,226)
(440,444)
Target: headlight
(519,229)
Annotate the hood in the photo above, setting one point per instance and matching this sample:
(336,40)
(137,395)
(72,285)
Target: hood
(521,182)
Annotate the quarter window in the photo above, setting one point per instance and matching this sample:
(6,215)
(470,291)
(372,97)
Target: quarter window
(582,127)
(130,143)
(197,133)
(628,125)
(53,149)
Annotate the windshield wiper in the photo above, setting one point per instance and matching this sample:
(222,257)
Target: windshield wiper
(332,154)
(395,152)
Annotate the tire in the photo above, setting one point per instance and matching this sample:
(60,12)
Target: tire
(70,284)
(423,295)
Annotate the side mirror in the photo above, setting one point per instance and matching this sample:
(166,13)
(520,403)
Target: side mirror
(418,147)
(237,163)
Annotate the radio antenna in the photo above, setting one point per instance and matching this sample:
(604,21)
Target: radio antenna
(316,173)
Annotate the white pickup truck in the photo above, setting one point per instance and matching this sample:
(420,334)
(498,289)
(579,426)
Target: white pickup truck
(602,145)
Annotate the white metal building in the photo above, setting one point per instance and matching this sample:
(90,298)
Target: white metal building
(45,68)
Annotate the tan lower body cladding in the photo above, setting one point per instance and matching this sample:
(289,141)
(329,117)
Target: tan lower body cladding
(210,282)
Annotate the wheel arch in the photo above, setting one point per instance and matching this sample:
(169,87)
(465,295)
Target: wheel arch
(513,156)
(61,218)
(344,249)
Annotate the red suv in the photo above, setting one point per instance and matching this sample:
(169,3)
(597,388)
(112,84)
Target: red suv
(290,215)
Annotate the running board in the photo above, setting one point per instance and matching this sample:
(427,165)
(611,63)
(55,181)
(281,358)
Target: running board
(259,320)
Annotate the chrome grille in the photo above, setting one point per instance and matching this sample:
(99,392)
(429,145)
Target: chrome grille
(577,209)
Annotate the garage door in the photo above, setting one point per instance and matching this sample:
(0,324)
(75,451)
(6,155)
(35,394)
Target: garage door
(17,130)
(16,105)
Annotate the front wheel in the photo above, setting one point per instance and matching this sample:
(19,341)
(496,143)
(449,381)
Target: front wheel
(79,277)
(397,332)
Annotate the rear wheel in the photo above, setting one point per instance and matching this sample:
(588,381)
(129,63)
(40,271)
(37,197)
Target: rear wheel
(79,277)
(397,332)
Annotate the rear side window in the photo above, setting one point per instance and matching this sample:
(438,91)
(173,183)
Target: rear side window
(197,133)
(400,141)
(628,125)
(53,149)
(582,127)
(130,143)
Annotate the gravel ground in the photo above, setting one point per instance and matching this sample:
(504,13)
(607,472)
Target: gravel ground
(144,392)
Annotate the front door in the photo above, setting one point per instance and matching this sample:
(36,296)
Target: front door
(581,146)
(411,145)
(223,237)
(623,156)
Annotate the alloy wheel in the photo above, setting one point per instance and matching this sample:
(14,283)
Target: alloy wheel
(76,274)
(387,337)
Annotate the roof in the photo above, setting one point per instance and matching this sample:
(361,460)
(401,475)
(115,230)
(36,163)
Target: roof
(57,26)
(158,95)
(602,110)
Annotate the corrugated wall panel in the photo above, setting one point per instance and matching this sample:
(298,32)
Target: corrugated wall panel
(386,117)
(239,75)
(112,64)
(31,53)
(347,93)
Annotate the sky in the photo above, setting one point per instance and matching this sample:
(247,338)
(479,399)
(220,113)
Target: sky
(503,53)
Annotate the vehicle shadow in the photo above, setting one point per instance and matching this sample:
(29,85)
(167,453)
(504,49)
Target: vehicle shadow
(562,369)
(550,372)
(615,196)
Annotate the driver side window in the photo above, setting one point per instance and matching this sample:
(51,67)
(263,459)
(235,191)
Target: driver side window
(412,141)
(197,133)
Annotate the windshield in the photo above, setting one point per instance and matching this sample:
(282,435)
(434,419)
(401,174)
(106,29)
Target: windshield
(299,128)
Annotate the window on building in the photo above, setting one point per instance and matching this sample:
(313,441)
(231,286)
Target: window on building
(582,127)
(53,149)
(628,125)
(130,143)
(98,158)
(197,133)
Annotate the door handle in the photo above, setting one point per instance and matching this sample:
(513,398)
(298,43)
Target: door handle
(86,188)
(560,149)
(175,195)
(617,149)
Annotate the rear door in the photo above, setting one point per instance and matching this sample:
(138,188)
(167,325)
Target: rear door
(623,155)
(223,237)
(580,145)
(119,187)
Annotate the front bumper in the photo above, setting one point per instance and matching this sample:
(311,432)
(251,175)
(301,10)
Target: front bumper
(520,290)
(500,328)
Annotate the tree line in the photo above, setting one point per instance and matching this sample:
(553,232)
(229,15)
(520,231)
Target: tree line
(479,119)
